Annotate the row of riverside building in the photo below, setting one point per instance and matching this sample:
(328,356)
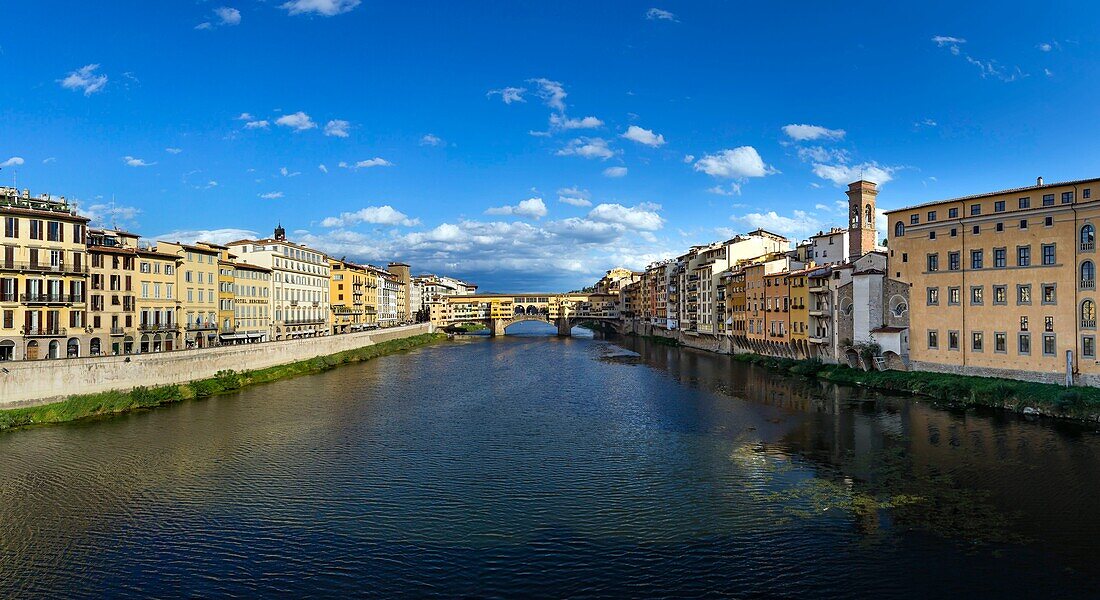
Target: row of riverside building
(999,284)
(68,290)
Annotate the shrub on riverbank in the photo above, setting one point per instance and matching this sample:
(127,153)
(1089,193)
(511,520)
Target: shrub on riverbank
(964,390)
(113,402)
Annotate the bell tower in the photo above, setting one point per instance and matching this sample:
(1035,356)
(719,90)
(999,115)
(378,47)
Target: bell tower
(280,233)
(861,218)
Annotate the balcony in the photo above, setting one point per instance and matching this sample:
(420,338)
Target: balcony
(1088,284)
(819,312)
(155,327)
(1088,323)
(43,331)
(1088,246)
(116,331)
(50,299)
(202,326)
(41,268)
(818,289)
(817,339)
(304,322)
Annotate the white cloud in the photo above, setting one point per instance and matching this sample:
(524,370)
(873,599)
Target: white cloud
(587,148)
(642,217)
(842,174)
(326,8)
(734,190)
(271,195)
(431,140)
(644,136)
(109,214)
(740,162)
(1048,73)
(322,168)
(574,196)
(376,215)
(49,160)
(13,161)
(173,150)
(822,154)
(509,94)
(802,133)
(136,162)
(551,92)
(366,164)
(285,172)
(562,122)
(615,172)
(337,128)
(262,124)
(1045,47)
(656,14)
(533,208)
(925,123)
(799,225)
(688,158)
(216,236)
(988,68)
(228,16)
(298,121)
(85,79)
(204,26)
(246,117)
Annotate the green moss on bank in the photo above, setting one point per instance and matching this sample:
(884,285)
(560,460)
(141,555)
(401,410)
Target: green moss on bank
(113,402)
(963,390)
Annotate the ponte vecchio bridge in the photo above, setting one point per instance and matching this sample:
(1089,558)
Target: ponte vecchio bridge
(498,311)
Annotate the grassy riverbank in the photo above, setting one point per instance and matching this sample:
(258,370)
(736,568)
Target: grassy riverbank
(113,402)
(1047,399)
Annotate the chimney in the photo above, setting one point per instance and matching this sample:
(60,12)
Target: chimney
(1038,181)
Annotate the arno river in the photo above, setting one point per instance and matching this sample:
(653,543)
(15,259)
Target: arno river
(537,466)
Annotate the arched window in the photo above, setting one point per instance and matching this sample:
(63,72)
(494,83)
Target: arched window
(900,309)
(1088,274)
(868,216)
(1088,314)
(1088,237)
(899,229)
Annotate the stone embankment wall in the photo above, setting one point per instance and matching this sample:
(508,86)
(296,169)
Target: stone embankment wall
(38,382)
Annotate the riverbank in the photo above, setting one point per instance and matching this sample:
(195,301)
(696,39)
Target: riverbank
(959,390)
(84,406)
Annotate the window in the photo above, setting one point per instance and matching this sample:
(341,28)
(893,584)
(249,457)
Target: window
(1088,275)
(914,219)
(1048,324)
(976,259)
(999,258)
(1023,323)
(953,296)
(976,229)
(1025,202)
(1048,345)
(999,206)
(1049,293)
(933,340)
(1023,294)
(1000,294)
(1067,197)
(1023,223)
(1088,237)
(933,262)
(952,340)
(1048,221)
(1088,343)
(1000,227)
(931,216)
(11,227)
(977,294)
(931,235)
(1000,342)
(954,232)
(952,213)
(1048,254)
(904,259)
(1023,256)
(899,230)
(1048,199)
(953,261)
(933,296)
(975,210)
(1088,314)
(1086,193)
(976,341)
(1024,343)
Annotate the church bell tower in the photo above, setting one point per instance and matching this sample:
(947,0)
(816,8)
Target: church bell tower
(861,218)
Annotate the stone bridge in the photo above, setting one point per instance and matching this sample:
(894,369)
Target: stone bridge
(498,311)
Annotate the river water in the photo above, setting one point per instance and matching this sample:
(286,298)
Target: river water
(536,466)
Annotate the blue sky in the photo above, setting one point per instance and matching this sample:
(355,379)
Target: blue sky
(533,146)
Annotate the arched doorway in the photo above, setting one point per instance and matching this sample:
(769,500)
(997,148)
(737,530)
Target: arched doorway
(72,348)
(532,310)
(7,350)
(32,350)
(55,349)
(128,345)
(157,345)
(144,343)
(94,347)
(519,310)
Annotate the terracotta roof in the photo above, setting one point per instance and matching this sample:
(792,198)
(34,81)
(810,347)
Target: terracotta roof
(889,330)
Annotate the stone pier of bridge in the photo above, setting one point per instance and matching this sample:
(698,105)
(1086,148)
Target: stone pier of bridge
(564,325)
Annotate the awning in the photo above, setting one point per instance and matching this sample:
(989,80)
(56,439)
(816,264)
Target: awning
(255,335)
(233,336)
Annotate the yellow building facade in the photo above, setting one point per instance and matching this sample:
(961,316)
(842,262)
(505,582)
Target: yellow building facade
(158,301)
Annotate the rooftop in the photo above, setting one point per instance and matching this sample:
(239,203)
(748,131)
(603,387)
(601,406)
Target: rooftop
(1041,186)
